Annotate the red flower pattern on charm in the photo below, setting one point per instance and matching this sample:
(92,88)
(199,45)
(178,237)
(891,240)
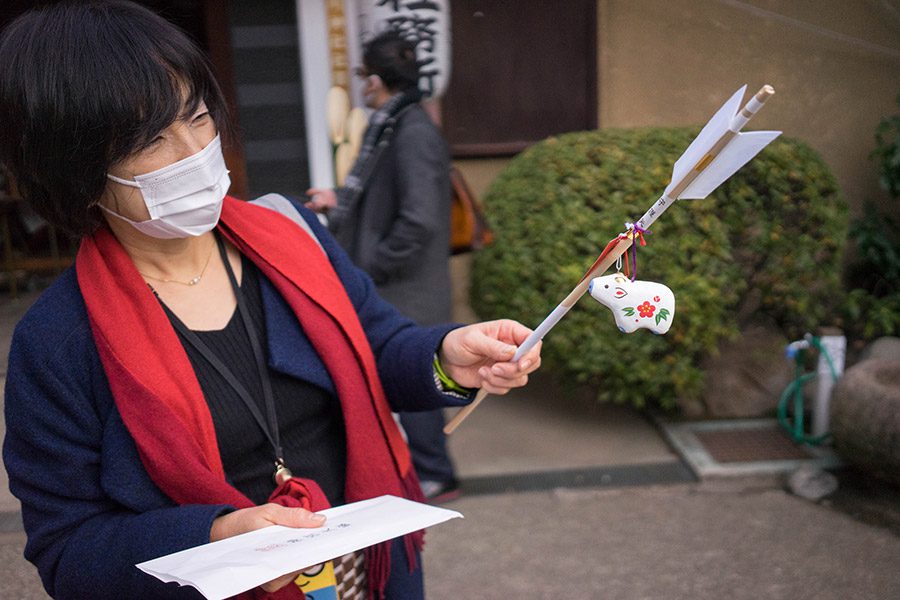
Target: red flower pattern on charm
(646,309)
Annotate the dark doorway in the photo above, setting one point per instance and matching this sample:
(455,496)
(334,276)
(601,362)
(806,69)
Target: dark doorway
(253,48)
(521,71)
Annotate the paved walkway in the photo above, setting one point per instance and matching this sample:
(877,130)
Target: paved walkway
(18,579)
(734,539)
(563,499)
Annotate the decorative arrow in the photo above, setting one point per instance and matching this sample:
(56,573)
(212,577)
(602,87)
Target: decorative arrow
(715,155)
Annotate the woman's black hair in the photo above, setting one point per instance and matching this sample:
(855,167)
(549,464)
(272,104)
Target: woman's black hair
(392,58)
(83,86)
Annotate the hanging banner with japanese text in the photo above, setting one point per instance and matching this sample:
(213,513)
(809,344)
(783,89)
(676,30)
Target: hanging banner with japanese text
(425,23)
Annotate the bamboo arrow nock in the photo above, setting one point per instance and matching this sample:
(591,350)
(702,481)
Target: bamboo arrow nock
(751,108)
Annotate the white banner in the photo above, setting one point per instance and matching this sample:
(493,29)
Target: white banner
(423,22)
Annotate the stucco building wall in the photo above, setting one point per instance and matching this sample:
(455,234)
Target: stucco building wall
(835,66)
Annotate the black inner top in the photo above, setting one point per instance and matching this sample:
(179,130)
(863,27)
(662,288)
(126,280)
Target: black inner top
(309,418)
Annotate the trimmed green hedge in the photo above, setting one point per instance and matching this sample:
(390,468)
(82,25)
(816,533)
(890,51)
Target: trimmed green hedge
(873,303)
(769,239)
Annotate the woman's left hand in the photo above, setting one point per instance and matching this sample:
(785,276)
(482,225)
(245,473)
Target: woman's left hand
(480,355)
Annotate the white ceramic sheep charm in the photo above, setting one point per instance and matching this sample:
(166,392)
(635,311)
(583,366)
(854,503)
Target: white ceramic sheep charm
(635,304)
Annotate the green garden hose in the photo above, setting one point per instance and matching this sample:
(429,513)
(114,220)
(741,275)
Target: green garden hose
(794,390)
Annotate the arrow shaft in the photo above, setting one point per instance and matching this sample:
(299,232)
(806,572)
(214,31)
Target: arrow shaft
(550,321)
(653,213)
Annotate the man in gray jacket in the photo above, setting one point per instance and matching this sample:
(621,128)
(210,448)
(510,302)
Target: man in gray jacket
(392,216)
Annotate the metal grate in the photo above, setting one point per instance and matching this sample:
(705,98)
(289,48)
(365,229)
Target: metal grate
(743,447)
(751,445)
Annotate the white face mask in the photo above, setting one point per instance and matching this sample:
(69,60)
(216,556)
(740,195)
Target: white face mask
(373,86)
(183,199)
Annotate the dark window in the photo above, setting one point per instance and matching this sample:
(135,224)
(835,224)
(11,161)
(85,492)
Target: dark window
(266,64)
(254,54)
(521,71)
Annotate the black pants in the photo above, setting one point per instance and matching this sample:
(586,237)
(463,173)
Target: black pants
(428,445)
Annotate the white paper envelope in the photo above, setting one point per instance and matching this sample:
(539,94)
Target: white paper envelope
(234,565)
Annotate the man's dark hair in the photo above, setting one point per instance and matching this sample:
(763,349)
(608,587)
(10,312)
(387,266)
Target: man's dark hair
(392,58)
(83,86)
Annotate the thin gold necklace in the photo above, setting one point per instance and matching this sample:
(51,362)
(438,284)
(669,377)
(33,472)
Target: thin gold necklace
(193,280)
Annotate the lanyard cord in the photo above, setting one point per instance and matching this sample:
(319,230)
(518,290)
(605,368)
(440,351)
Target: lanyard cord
(269,423)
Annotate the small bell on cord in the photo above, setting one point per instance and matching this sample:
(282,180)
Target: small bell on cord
(282,473)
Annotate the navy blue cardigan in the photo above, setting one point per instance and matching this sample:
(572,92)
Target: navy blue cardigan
(89,508)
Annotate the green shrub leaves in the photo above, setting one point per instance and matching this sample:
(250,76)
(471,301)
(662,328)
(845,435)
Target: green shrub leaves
(768,240)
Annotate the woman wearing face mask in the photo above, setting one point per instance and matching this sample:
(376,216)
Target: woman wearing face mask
(208,366)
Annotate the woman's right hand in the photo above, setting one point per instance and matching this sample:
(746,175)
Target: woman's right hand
(257,517)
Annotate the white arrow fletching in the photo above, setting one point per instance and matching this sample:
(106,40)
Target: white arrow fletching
(709,135)
(735,155)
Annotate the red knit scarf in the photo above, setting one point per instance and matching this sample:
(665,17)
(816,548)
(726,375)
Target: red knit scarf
(162,405)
